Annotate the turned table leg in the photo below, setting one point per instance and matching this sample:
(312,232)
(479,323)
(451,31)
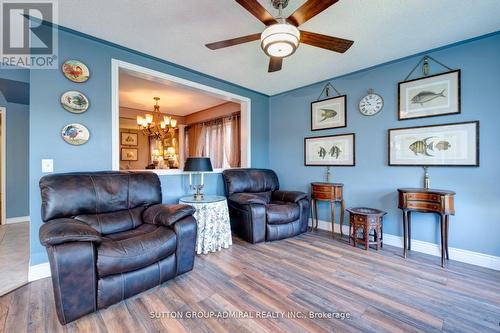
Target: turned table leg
(446,231)
(342,208)
(404,234)
(409,230)
(312,214)
(332,212)
(443,245)
(316,212)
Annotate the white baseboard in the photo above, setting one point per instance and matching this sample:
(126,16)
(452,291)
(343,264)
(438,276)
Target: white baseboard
(38,272)
(466,256)
(18,219)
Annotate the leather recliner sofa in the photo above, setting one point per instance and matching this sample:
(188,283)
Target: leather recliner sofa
(108,237)
(259,210)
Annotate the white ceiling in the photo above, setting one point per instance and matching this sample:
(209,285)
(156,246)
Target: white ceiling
(137,92)
(382,30)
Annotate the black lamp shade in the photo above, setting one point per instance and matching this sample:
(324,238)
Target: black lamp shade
(198,164)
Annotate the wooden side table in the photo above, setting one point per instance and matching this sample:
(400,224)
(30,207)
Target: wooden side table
(332,192)
(367,219)
(441,202)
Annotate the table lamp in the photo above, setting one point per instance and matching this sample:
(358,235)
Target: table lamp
(197,165)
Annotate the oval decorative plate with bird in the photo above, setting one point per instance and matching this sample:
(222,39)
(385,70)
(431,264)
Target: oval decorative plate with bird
(75,71)
(75,134)
(74,101)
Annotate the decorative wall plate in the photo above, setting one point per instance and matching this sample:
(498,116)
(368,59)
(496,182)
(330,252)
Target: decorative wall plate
(75,134)
(74,101)
(75,71)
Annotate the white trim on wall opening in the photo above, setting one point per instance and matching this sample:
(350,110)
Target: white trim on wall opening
(3,164)
(245,103)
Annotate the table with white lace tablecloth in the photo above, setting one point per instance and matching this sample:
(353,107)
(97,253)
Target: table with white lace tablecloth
(212,216)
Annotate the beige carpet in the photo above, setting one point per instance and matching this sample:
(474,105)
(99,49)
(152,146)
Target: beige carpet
(14,254)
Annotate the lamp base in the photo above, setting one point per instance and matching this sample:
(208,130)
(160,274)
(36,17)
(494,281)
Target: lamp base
(198,196)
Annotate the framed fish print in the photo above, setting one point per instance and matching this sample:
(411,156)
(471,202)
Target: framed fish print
(329,113)
(330,150)
(129,139)
(430,96)
(455,144)
(129,154)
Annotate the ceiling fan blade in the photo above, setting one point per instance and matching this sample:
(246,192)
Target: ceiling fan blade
(275,64)
(256,9)
(325,42)
(231,42)
(308,10)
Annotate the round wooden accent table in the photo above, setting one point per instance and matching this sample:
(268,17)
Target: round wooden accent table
(367,219)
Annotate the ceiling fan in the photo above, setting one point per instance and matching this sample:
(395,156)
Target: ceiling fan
(281,37)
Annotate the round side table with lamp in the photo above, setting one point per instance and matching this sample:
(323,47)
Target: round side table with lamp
(212,214)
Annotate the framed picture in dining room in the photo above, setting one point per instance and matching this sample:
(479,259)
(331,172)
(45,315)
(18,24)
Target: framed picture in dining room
(129,154)
(455,144)
(430,96)
(329,113)
(129,139)
(330,150)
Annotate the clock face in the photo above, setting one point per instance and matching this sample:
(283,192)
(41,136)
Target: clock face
(371,104)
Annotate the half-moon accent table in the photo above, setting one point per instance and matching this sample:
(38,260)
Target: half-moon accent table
(441,202)
(332,192)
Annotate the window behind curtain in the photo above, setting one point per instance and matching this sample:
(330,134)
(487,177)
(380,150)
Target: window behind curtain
(218,139)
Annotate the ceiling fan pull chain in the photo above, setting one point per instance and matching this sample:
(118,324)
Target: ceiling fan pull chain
(424,59)
(326,91)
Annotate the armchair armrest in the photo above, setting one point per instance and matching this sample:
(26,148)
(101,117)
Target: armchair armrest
(67,230)
(247,199)
(288,196)
(166,215)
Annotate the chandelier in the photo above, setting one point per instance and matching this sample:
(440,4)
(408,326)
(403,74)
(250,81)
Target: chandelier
(156,125)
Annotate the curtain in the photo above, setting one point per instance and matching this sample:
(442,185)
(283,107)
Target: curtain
(218,139)
(232,140)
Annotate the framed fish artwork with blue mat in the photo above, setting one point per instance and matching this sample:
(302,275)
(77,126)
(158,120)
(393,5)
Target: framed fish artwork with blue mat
(455,144)
(430,96)
(329,113)
(330,150)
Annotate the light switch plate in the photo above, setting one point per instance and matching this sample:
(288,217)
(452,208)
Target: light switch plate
(47,165)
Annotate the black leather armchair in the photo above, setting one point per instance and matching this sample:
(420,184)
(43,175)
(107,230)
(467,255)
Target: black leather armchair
(259,210)
(108,237)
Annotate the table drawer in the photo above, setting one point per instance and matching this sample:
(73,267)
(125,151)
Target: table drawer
(424,205)
(322,195)
(423,197)
(322,188)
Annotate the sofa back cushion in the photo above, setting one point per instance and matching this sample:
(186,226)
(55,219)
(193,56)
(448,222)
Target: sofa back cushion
(249,181)
(93,194)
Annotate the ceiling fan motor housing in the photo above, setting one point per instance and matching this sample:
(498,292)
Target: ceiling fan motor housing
(280,40)
(277,3)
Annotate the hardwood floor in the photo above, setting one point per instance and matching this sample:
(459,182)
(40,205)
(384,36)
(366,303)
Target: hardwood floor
(380,290)
(14,256)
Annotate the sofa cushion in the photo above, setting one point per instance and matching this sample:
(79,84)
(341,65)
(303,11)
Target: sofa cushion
(133,249)
(282,212)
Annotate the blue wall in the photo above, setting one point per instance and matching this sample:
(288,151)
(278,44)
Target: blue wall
(17,145)
(372,182)
(47,119)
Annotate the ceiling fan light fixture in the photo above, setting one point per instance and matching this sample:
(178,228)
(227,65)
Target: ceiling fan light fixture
(280,40)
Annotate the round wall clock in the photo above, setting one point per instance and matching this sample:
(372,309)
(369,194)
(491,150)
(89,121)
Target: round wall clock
(75,71)
(371,104)
(74,101)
